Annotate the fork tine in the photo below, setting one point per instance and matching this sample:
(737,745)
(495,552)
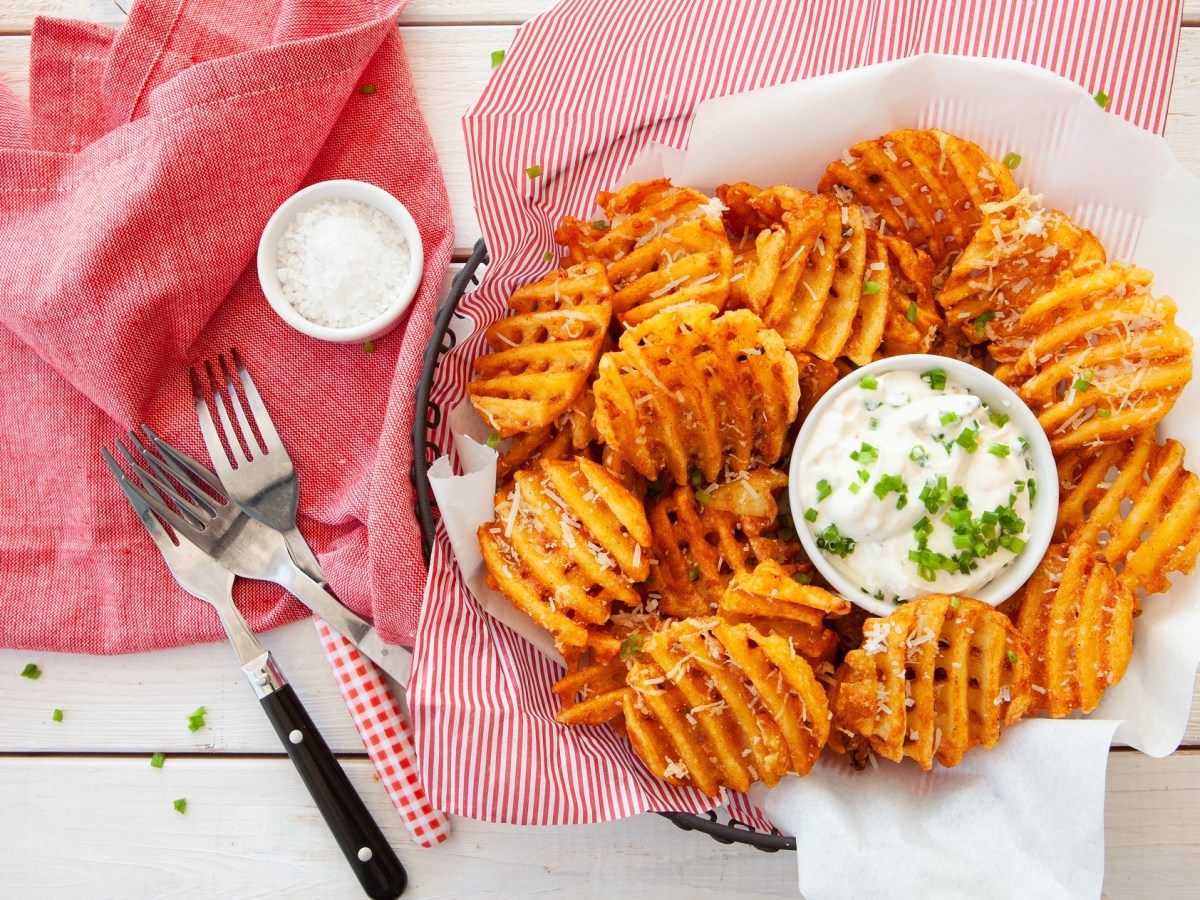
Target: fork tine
(208,427)
(236,403)
(189,521)
(262,418)
(231,435)
(183,466)
(196,500)
(157,532)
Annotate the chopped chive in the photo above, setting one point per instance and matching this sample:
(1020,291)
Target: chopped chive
(866,454)
(367,89)
(196,719)
(1103,413)
(935,378)
(948,418)
(968,439)
(802,578)
(981,322)
(631,646)
(1012,160)
(695,478)
(855,487)
(534,171)
(810,515)
(599,225)
(157,760)
(497,57)
(1084,381)
(823,490)
(368,347)
(864,475)
(56,715)
(548,256)
(954,602)
(31,671)
(834,542)
(911,315)
(870,287)
(1101,99)
(693,574)
(1012,657)
(917,453)
(999,450)
(702,497)
(998,419)
(180,805)
(868,383)
(493,440)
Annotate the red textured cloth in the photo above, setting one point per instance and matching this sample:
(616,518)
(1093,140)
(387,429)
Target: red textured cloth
(134,187)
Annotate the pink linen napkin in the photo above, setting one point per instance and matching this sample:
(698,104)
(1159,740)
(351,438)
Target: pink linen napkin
(134,188)
(487,740)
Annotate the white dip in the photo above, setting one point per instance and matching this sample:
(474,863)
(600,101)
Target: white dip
(341,263)
(912,485)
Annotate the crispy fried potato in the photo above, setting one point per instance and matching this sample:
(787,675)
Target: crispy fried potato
(1078,619)
(962,664)
(1019,253)
(593,690)
(1137,503)
(687,387)
(698,549)
(541,359)
(567,541)
(1105,359)
(568,435)
(715,705)
(925,186)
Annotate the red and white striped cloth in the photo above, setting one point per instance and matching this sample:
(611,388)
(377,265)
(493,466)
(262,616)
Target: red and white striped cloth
(582,89)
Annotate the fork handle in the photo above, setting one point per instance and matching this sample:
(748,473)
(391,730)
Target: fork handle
(372,858)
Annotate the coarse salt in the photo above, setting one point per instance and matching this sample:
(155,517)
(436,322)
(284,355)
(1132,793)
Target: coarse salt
(341,263)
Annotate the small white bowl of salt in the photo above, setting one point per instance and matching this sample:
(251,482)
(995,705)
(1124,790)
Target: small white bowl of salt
(341,261)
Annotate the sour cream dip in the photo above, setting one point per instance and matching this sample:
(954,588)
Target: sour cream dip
(907,482)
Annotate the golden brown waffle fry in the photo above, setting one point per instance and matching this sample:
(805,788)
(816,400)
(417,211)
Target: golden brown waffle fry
(1078,619)
(771,600)
(697,550)
(1018,254)
(715,705)
(925,186)
(1105,359)
(567,541)
(592,691)
(541,360)
(934,679)
(687,387)
(569,435)
(1137,503)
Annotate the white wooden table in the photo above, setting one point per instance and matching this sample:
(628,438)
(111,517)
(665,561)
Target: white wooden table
(83,814)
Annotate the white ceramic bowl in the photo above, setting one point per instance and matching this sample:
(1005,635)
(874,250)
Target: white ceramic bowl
(344,189)
(996,394)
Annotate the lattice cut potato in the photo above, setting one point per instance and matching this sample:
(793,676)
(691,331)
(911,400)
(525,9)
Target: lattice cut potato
(1077,616)
(688,387)
(1135,502)
(716,705)
(1020,252)
(541,359)
(569,435)
(698,548)
(829,286)
(568,540)
(1105,359)
(925,186)
(933,680)
(770,599)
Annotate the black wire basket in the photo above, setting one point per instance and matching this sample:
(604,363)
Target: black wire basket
(428,416)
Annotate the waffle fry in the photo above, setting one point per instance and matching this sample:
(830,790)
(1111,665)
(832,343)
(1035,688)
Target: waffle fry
(567,541)
(1104,360)
(687,387)
(1078,619)
(698,549)
(541,359)
(1109,497)
(924,186)
(963,665)
(569,435)
(1019,253)
(714,705)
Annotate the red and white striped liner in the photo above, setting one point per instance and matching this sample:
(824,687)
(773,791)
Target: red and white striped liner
(386,735)
(582,89)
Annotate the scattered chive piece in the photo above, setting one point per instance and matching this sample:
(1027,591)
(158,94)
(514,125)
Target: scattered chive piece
(968,439)
(948,418)
(870,287)
(802,578)
(702,497)
(157,760)
(1012,160)
(911,315)
(823,490)
(631,646)
(1084,381)
(998,419)
(695,478)
(56,715)
(548,256)
(196,719)
(868,383)
(981,321)
(999,450)
(917,453)
(369,347)
(834,542)
(31,671)
(497,58)
(810,515)
(864,475)
(1103,413)
(181,804)
(954,601)
(846,232)
(599,225)
(693,574)
(1012,657)
(935,378)
(493,440)
(534,171)
(855,487)
(1101,99)
(367,89)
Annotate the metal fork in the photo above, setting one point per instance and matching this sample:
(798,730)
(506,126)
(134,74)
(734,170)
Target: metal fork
(156,495)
